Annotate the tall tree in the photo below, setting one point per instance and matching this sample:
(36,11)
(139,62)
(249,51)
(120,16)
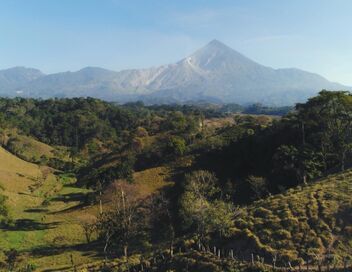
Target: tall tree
(121,225)
(202,208)
(328,124)
(163,220)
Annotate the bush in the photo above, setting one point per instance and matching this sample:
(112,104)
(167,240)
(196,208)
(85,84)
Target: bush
(46,202)
(177,145)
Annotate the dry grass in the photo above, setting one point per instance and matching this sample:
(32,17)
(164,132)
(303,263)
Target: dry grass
(304,221)
(214,123)
(30,148)
(151,180)
(145,183)
(15,174)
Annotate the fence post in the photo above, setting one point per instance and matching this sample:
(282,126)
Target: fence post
(307,263)
(274,261)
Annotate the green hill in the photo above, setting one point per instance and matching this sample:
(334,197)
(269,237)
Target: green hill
(42,211)
(308,221)
(31,150)
(47,214)
(115,160)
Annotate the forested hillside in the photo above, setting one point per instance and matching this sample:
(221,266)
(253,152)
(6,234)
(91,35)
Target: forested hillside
(157,188)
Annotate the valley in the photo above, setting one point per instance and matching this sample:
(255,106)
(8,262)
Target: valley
(189,177)
(175,136)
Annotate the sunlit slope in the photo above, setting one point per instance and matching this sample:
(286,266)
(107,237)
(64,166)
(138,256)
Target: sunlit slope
(308,221)
(28,148)
(47,211)
(38,201)
(16,174)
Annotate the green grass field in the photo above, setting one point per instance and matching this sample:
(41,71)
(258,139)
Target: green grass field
(35,226)
(46,212)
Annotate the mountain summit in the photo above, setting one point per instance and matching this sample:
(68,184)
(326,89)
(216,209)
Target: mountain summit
(215,72)
(217,56)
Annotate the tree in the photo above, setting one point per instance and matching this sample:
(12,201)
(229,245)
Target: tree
(259,186)
(163,220)
(327,121)
(11,258)
(202,208)
(122,170)
(176,121)
(88,224)
(4,212)
(123,224)
(177,145)
(141,132)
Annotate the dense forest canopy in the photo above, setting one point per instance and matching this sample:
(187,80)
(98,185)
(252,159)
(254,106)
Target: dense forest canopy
(73,122)
(303,145)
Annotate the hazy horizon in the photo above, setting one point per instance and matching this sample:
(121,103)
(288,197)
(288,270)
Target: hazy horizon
(59,36)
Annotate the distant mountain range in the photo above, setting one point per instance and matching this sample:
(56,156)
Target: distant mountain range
(214,73)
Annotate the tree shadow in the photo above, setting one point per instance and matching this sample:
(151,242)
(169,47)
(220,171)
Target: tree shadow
(72,185)
(66,268)
(71,197)
(70,209)
(28,194)
(36,210)
(29,225)
(93,249)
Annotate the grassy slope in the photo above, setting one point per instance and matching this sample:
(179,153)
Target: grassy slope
(29,148)
(24,146)
(312,220)
(318,215)
(35,227)
(47,235)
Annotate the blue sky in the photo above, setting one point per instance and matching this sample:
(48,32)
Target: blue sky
(62,35)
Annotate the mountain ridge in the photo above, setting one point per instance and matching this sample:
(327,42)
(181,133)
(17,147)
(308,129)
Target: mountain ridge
(215,71)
